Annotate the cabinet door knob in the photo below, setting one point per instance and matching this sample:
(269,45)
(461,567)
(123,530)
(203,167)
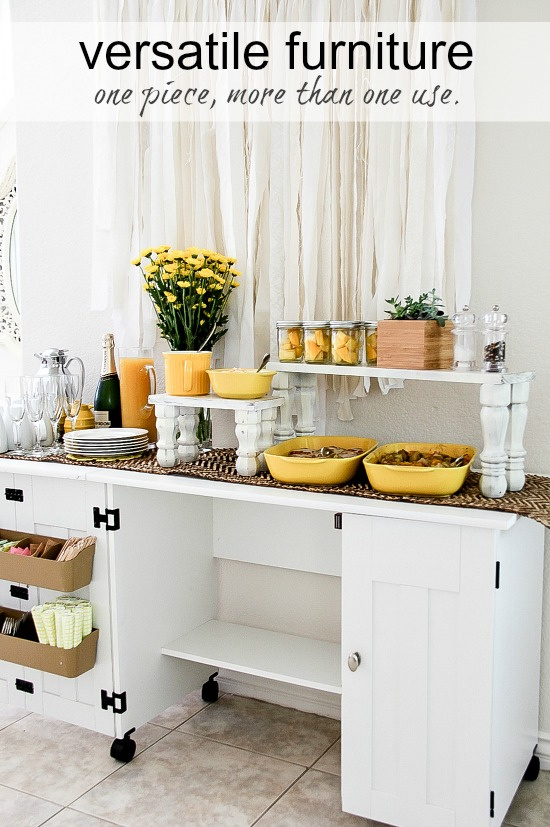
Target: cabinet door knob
(354,660)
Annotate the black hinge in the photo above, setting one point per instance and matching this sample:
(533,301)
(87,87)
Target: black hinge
(104,518)
(21,592)
(24,686)
(338,521)
(492,804)
(497,575)
(111,700)
(14,494)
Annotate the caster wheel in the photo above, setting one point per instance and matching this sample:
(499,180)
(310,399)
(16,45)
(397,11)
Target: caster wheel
(210,689)
(532,771)
(124,749)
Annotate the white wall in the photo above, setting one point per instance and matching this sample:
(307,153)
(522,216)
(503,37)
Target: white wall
(511,267)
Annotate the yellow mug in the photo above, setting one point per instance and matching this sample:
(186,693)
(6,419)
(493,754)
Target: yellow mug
(185,372)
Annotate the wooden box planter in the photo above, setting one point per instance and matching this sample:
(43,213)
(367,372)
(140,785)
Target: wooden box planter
(414,345)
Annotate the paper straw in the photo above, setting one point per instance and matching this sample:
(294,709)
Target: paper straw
(78,613)
(68,628)
(36,612)
(87,619)
(49,625)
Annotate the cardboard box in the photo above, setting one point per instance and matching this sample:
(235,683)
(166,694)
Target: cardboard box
(67,662)
(414,345)
(66,576)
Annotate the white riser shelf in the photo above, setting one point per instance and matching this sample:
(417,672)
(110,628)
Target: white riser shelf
(503,398)
(282,657)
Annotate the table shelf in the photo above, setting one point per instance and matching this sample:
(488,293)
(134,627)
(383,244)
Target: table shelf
(474,377)
(503,398)
(282,657)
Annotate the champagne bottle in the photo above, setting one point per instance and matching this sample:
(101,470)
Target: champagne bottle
(107,395)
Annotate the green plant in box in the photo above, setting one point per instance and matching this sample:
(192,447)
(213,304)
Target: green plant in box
(427,306)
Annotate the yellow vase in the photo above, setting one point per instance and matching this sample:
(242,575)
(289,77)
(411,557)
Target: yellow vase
(185,372)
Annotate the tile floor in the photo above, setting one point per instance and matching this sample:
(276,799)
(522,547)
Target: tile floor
(235,763)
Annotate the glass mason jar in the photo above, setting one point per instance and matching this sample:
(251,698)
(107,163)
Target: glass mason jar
(347,342)
(493,329)
(290,341)
(317,342)
(464,333)
(371,342)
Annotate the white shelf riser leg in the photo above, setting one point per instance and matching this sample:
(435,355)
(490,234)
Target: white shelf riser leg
(515,463)
(495,400)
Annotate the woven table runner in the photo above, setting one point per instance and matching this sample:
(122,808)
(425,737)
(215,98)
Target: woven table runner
(219,465)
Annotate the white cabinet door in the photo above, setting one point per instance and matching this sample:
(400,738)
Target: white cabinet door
(416,714)
(163,583)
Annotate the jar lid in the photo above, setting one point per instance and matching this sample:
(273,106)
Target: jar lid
(465,318)
(371,324)
(288,324)
(347,324)
(494,318)
(316,324)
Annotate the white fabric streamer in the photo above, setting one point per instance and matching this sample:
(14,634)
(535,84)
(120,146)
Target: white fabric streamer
(326,220)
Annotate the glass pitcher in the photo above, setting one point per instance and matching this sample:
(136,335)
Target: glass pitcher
(138,381)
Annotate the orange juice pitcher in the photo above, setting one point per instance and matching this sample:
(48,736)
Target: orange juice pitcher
(137,381)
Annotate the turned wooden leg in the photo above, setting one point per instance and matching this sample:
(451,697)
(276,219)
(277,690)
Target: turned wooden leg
(494,421)
(515,462)
(306,390)
(167,421)
(248,429)
(267,424)
(283,386)
(188,444)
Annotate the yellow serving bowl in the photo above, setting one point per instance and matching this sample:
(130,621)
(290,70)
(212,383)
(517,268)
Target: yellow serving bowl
(409,479)
(240,383)
(322,471)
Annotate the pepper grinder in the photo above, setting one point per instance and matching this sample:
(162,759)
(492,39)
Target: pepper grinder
(493,328)
(464,332)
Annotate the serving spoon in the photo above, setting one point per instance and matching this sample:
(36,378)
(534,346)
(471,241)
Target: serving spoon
(264,362)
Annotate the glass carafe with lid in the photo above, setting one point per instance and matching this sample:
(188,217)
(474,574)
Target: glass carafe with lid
(464,332)
(493,330)
(54,362)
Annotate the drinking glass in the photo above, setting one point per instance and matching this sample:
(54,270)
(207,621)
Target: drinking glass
(33,388)
(72,396)
(15,401)
(54,395)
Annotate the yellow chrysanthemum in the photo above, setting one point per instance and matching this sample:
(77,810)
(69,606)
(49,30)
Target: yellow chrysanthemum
(217,287)
(184,284)
(205,273)
(136,261)
(201,321)
(151,268)
(203,305)
(170,296)
(235,283)
(162,249)
(171,268)
(222,268)
(146,253)
(235,272)
(177,254)
(146,287)
(201,291)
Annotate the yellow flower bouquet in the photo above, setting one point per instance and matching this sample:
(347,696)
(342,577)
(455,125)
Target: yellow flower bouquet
(189,290)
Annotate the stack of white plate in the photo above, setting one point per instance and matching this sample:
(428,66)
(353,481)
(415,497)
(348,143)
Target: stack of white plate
(106,442)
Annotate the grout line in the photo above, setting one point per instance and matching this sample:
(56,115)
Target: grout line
(244,749)
(290,786)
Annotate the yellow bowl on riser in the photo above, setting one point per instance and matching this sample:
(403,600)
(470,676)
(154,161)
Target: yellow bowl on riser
(322,471)
(240,383)
(418,481)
